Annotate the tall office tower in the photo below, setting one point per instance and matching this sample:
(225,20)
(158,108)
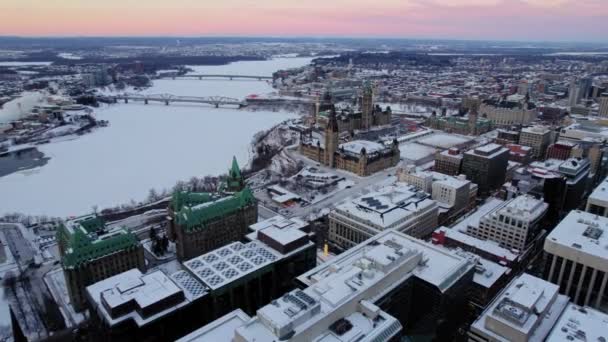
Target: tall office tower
(91,252)
(486,166)
(538,138)
(577,260)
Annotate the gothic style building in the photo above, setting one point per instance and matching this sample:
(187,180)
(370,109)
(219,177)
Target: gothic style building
(358,156)
(368,117)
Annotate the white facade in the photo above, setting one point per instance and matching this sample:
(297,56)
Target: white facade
(577,258)
(400,207)
(525,310)
(597,203)
(513,223)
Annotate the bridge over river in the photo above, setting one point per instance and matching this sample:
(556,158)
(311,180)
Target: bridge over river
(216,101)
(230,77)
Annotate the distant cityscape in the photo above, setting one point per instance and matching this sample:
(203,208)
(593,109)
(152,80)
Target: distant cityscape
(374,191)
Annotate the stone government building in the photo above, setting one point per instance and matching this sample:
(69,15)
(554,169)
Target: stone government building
(201,222)
(91,252)
(361,157)
(348,120)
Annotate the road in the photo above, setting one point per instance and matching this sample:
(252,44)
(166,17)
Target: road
(20,247)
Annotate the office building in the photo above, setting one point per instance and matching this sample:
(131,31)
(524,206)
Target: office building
(560,150)
(486,166)
(91,252)
(538,138)
(448,162)
(506,137)
(579,323)
(515,224)
(525,310)
(577,258)
(201,222)
(603,109)
(400,207)
(519,153)
(503,113)
(245,276)
(388,285)
(576,171)
(597,203)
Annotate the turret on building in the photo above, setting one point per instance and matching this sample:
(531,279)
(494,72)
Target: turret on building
(235,181)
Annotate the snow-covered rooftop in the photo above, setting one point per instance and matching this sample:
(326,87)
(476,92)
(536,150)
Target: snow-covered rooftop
(585,238)
(486,272)
(415,152)
(487,151)
(600,193)
(523,207)
(355,146)
(357,276)
(224,265)
(137,292)
(580,323)
(528,306)
(285,231)
(473,219)
(220,330)
(488,246)
(387,207)
(444,140)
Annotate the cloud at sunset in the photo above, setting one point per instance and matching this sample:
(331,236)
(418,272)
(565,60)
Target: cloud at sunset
(467,19)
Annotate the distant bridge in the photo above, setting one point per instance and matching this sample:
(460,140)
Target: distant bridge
(231,77)
(168,98)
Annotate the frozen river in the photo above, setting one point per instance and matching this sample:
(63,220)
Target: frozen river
(146,146)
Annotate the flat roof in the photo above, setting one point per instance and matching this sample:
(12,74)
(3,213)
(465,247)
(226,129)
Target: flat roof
(387,206)
(444,140)
(486,272)
(359,275)
(600,193)
(143,289)
(488,151)
(528,305)
(222,329)
(226,264)
(473,219)
(523,207)
(577,321)
(581,236)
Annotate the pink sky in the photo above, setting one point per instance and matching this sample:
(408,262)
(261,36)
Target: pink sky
(576,20)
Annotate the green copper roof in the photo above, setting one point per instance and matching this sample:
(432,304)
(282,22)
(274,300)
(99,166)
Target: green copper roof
(87,239)
(235,170)
(184,198)
(196,217)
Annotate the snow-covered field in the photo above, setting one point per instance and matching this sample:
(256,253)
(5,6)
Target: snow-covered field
(146,146)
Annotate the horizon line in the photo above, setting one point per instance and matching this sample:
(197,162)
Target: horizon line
(317,37)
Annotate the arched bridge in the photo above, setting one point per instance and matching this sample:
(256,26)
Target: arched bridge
(169,98)
(231,77)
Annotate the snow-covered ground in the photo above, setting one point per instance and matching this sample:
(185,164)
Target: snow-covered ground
(146,146)
(18,107)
